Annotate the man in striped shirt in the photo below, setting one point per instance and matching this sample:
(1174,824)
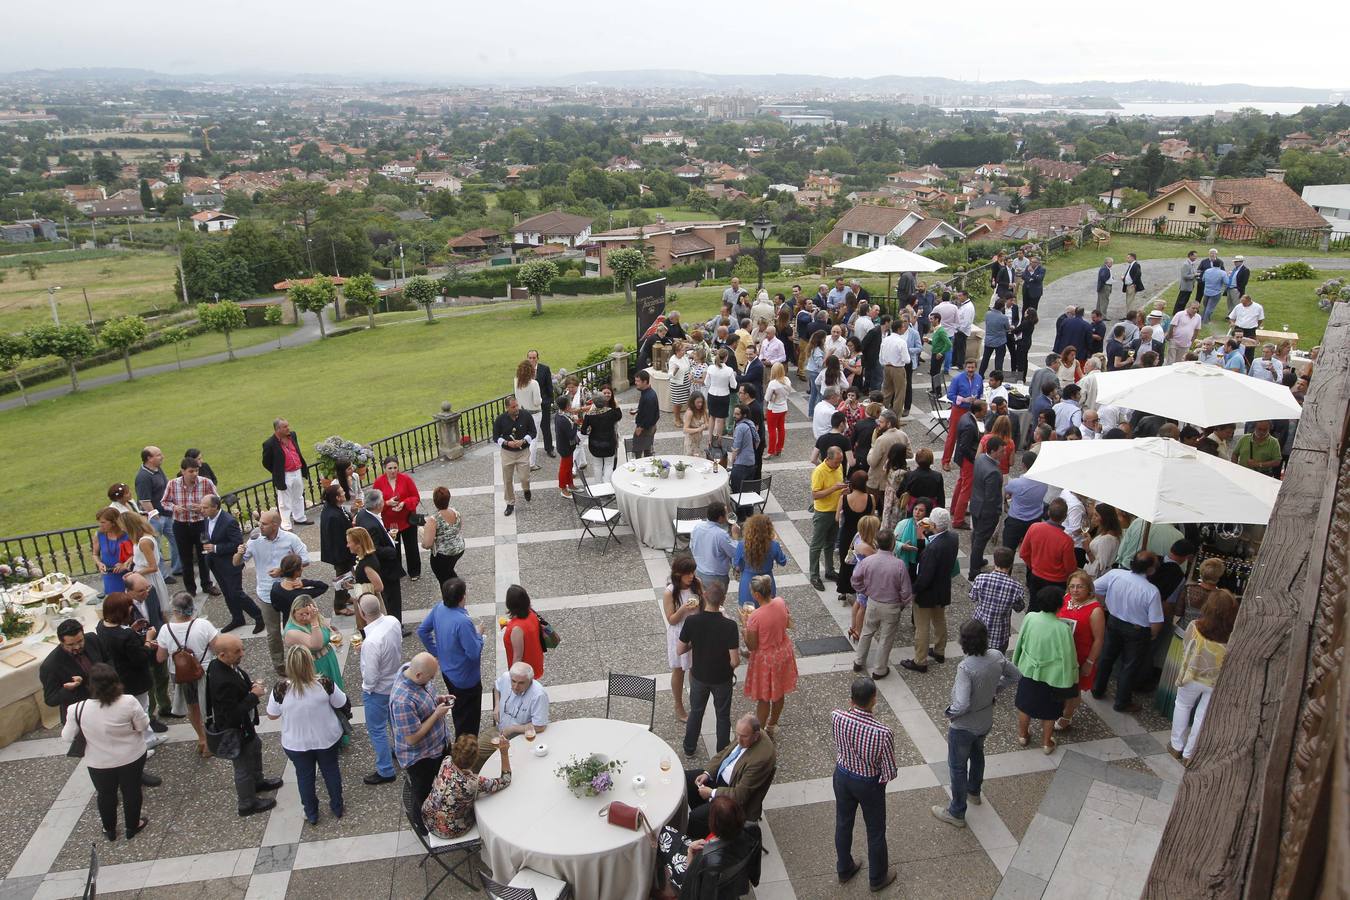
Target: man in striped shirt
(865,761)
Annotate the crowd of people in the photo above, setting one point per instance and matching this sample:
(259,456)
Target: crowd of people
(1099,601)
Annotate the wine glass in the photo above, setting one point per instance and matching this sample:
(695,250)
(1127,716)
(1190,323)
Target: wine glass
(530,734)
(665,768)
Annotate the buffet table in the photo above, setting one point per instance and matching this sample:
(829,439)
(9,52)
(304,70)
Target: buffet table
(538,822)
(21,706)
(648,504)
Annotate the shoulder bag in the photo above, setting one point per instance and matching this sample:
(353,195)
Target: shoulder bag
(344,715)
(79,743)
(222,742)
(548,635)
(187,669)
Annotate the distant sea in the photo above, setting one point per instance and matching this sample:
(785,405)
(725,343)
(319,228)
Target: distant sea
(1146,109)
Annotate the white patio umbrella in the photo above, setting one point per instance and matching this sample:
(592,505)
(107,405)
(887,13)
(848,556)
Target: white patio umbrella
(1196,393)
(1157,479)
(889,260)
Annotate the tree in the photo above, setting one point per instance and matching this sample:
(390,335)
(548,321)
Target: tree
(225,316)
(122,334)
(175,336)
(537,277)
(745,268)
(625,264)
(272,316)
(67,342)
(313,296)
(513,201)
(297,198)
(422,291)
(14,349)
(32,267)
(361,291)
(147,198)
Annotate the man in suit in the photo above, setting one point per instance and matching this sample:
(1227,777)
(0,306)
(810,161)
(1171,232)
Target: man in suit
(1237,281)
(65,672)
(1033,284)
(222,537)
(986,502)
(1212,261)
(967,448)
(386,551)
(1132,279)
(933,591)
(282,457)
(232,702)
(543,375)
(745,767)
(1186,282)
(1104,286)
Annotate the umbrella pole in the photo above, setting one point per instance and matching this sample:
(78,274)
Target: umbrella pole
(887,305)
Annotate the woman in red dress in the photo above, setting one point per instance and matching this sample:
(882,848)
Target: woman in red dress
(1003,428)
(400,501)
(1082,609)
(772,671)
(520,634)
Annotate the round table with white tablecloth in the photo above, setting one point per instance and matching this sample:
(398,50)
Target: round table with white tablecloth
(537,822)
(648,504)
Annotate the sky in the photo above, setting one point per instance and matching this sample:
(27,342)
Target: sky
(1236,41)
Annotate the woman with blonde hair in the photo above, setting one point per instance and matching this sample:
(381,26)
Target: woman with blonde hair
(864,544)
(145,554)
(308,628)
(721,378)
(680,384)
(531,403)
(756,552)
(369,579)
(775,408)
(1087,619)
(695,425)
(307,706)
(448,810)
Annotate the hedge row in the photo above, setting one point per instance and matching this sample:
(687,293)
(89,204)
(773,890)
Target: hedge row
(58,370)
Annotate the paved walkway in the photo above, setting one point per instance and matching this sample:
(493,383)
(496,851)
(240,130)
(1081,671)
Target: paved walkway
(1045,818)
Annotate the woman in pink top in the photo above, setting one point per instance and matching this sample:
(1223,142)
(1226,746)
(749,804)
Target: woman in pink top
(772,672)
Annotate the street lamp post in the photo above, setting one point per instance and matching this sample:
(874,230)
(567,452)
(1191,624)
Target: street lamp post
(403,268)
(309,253)
(1115,181)
(51,298)
(760,229)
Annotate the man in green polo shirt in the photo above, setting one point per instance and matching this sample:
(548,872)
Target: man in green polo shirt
(827,483)
(1259,451)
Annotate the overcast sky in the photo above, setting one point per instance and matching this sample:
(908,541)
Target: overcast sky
(1238,40)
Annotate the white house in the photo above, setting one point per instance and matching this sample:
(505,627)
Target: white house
(868,227)
(552,228)
(1332,202)
(438,181)
(212,220)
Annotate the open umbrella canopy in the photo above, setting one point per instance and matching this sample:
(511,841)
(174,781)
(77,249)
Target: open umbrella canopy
(1196,393)
(1157,479)
(890,259)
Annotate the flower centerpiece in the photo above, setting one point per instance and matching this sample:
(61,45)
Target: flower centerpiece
(18,570)
(680,468)
(334,451)
(589,777)
(657,468)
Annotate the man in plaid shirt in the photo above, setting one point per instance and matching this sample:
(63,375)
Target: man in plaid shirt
(417,724)
(865,761)
(995,595)
(182,500)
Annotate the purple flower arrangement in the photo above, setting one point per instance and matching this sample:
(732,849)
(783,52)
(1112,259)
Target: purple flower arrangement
(591,776)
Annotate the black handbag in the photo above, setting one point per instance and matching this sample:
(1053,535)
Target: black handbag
(77,745)
(225,743)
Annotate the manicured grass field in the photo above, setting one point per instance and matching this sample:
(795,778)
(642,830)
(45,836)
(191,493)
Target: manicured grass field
(129,282)
(1091,256)
(1292,303)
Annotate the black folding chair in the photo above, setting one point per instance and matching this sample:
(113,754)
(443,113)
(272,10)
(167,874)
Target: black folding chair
(593,514)
(438,847)
(527,885)
(733,880)
(754,493)
(628,448)
(635,687)
(91,881)
(686,517)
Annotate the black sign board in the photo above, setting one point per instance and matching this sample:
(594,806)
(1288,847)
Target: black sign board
(651,306)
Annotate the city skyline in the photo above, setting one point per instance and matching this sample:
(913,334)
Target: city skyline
(542,45)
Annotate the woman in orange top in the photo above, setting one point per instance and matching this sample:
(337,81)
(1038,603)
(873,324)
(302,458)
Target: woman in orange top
(772,672)
(400,501)
(520,634)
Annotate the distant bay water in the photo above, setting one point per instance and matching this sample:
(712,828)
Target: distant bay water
(1160,109)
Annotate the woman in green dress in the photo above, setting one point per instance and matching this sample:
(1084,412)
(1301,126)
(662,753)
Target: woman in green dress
(308,628)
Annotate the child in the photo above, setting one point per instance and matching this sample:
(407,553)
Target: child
(995,595)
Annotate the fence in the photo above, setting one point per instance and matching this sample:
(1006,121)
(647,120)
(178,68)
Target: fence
(70,550)
(1236,232)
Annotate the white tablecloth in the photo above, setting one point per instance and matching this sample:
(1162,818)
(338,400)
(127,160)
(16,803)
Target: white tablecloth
(649,504)
(538,822)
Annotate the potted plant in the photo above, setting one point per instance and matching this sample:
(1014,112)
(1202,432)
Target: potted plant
(680,467)
(335,451)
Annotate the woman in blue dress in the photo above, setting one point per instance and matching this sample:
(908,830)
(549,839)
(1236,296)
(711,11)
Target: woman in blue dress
(755,555)
(108,549)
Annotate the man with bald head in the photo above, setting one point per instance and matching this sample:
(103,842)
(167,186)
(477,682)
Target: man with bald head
(232,703)
(381,659)
(267,550)
(417,722)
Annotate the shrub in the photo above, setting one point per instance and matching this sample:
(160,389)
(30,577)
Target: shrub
(1290,271)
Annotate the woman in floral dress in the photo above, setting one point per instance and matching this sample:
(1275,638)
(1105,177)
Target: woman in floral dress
(772,672)
(448,810)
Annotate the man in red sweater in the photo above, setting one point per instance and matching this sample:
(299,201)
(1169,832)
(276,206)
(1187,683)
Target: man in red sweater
(1048,550)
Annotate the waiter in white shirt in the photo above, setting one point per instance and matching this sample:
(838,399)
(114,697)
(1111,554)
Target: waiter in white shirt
(894,356)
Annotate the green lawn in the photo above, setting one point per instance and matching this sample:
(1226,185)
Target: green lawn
(130,282)
(198,345)
(1287,303)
